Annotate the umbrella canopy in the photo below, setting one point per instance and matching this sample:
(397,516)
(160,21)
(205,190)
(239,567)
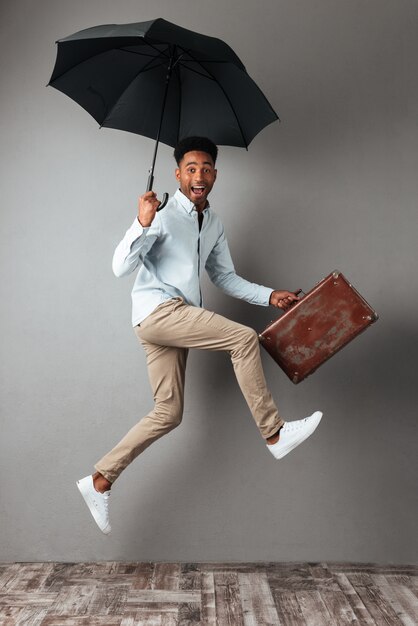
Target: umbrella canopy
(162,81)
(118,73)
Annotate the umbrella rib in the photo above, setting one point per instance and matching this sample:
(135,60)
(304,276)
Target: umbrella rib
(177,73)
(144,54)
(141,54)
(194,60)
(226,96)
(156,49)
(160,53)
(191,69)
(146,68)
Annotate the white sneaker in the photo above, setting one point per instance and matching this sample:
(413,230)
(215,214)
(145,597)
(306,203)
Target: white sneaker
(293,433)
(97,502)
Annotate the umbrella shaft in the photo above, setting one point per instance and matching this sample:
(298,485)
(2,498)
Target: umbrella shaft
(151,172)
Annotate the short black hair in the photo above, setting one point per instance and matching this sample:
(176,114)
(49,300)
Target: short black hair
(195,144)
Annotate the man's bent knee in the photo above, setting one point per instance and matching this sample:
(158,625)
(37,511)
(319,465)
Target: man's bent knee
(252,335)
(168,418)
(246,341)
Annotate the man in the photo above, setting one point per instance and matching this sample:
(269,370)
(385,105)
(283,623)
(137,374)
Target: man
(171,248)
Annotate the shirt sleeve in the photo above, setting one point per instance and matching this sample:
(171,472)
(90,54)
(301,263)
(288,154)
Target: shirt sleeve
(221,271)
(133,247)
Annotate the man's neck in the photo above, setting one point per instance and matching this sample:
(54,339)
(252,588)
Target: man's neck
(199,207)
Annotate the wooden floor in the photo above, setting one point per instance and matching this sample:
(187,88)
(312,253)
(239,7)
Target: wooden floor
(222,594)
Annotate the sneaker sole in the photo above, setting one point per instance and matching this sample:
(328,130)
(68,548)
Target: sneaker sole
(92,509)
(314,424)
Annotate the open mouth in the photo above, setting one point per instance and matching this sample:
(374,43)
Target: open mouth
(198,190)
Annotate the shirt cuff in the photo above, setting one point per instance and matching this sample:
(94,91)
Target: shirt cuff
(136,230)
(265,293)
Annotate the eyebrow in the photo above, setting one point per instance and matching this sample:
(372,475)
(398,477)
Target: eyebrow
(195,163)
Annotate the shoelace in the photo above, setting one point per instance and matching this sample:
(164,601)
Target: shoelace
(294,425)
(106,496)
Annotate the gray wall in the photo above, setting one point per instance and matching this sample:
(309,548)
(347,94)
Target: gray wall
(333,186)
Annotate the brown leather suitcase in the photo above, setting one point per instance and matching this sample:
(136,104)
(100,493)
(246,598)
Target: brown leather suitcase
(322,322)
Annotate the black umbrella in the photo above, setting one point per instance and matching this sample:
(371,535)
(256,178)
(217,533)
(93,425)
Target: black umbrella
(162,81)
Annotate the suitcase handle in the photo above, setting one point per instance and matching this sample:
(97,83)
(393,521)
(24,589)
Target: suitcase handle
(299,291)
(292,304)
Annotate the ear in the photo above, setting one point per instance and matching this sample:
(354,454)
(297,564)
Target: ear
(216,173)
(177,173)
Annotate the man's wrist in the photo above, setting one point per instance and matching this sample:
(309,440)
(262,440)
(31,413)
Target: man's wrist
(141,224)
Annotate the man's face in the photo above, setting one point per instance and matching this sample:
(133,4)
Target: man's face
(196,174)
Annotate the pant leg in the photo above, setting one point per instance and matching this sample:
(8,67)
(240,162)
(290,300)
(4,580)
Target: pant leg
(166,335)
(177,324)
(166,371)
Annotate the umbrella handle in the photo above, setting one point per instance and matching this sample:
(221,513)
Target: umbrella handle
(163,202)
(149,188)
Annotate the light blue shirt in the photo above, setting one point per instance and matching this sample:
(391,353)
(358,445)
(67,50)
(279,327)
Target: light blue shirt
(171,254)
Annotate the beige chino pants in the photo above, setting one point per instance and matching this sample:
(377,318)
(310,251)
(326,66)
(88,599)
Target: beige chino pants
(166,335)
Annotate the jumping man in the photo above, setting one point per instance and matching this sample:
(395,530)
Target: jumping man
(170,248)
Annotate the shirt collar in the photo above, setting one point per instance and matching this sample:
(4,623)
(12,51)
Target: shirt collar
(186,203)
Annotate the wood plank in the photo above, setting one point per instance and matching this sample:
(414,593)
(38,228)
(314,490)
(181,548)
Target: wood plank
(288,608)
(166,576)
(13,616)
(403,579)
(24,574)
(114,580)
(129,619)
(127,569)
(152,607)
(138,596)
(242,567)
(73,600)
(339,608)
(354,600)
(10,579)
(322,577)
(313,609)
(143,576)
(191,580)
(208,606)
(87,573)
(376,604)
(108,599)
(64,573)
(402,600)
(57,576)
(190,577)
(293,577)
(152,615)
(256,599)
(189,614)
(227,598)
(28,598)
(155,619)
(40,577)
(81,620)
(372,568)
